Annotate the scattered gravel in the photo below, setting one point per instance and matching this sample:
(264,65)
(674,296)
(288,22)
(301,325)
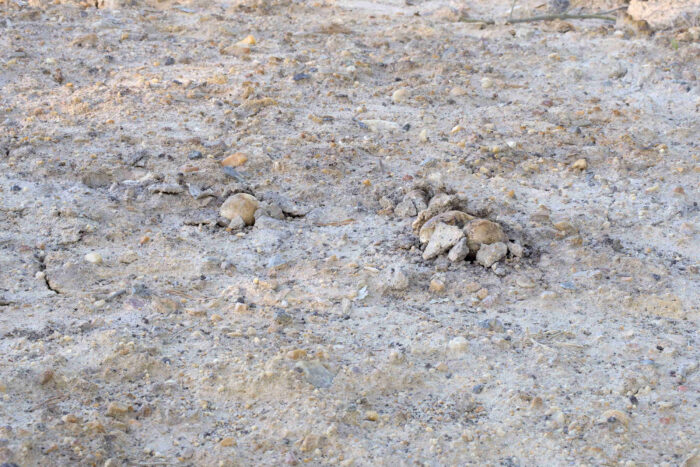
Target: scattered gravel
(347,233)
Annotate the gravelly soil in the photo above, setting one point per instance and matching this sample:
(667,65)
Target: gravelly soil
(138,331)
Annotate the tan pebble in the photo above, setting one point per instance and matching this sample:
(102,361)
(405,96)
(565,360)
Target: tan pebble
(240,308)
(576,241)
(70,418)
(46,376)
(248,40)
(482,294)
(423,136)
(525,282)
(536,402)
(296,354)
(235,160)
(458,344)
(580,164)
(458,218)
(128,257)
(217,79)
(165,305)
(443,238)
(371,415)
(564,226)
(216,318)
(310,443)
(95,426)
(482,231)
(472,287)
(227,442)
(437,286)
(114,410)
(240,204)
(486,83)
(399,95)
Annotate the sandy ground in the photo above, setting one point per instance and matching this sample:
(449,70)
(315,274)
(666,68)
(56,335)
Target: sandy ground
(138,328)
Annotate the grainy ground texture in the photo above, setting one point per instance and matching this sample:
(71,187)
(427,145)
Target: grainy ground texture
(348,233)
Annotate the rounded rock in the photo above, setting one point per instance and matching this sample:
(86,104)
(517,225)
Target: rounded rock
(483,232)
(240,204)
(444,237)
(399,95)
(459,251)
(399,280)
(94,258)
(235,160)
(490,254)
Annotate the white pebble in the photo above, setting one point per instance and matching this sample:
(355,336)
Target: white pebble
(458,344)
(486,83)
(94,258)
(399,95)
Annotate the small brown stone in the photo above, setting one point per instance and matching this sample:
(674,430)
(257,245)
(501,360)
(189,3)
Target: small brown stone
(95,426)
(46,376)
(437,286)
(310,443)
(296,354)
(70,418)
(115,410)
(580,164)
(227,442)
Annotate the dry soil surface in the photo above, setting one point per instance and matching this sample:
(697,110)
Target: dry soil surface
(137,327)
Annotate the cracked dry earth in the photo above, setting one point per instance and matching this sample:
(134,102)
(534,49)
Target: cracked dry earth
(138,327)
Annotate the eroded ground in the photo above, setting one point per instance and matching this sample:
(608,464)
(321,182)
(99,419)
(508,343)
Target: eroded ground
(136,330)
